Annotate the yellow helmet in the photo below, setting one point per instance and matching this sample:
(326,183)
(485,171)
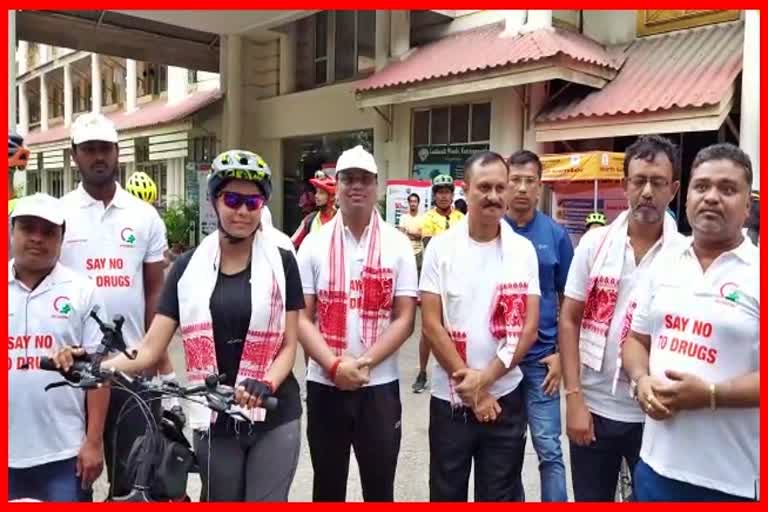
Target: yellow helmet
(595,218)
(142,186)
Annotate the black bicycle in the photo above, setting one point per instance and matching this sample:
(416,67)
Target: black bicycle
(163,457)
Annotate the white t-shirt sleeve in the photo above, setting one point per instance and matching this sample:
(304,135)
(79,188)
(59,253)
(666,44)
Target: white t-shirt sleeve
(578,274)
(407,284)
(91,337)
(157,240)
(533,269)
(430,276)
(306,267)
(643,296)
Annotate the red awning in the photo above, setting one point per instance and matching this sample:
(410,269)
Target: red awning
(689,68)
(486,48)
(150,114)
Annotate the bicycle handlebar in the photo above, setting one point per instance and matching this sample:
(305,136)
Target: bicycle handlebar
(85,374)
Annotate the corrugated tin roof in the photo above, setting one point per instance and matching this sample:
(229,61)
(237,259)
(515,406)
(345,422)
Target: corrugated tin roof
(486,48)
(689,68)
(150,114)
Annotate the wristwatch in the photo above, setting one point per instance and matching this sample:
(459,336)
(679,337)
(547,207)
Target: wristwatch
(633,387)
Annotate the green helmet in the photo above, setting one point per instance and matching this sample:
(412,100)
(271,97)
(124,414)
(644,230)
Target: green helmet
(595,218)
(442,180)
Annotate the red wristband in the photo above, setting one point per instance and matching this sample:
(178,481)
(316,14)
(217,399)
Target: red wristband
(334,368)
(270,385)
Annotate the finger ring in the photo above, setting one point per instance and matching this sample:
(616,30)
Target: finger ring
(486,418)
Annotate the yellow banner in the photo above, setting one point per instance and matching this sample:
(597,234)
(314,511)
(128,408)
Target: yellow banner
(590,166)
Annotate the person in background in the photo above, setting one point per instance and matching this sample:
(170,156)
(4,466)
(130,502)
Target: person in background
(410,226)
(461,205)
(541,366)
(17,160)
(437,220)
(325,200)
(692,353)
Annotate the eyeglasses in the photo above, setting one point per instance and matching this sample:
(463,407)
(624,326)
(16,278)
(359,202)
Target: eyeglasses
(234,200)
(656,182)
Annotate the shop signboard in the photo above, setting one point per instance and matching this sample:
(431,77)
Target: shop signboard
(429,161)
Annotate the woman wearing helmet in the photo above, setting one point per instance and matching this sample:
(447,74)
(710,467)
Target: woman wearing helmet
(142,186)
(235,299)
(595,220)
(325,200)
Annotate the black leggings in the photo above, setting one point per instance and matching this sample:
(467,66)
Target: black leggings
(368,420)
(248,467)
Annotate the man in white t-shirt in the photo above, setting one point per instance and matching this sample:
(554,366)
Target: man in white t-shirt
(360,287)
(52,456)
(693,353)
(603,423)
(480,306)
(118,241)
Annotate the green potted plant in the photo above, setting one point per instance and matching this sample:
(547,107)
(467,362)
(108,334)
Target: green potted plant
(180,218)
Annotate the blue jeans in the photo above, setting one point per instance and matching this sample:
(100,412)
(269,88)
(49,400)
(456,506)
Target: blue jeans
(546,427)
(651,486)
(55,482)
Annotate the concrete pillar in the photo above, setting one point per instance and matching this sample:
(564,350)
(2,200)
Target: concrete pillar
(67,94)
(43,103)
(12,69)
(536,98)
(95,83)
(45,53)
(232,81)
(23,110)
(400,33)
(23,54)
(538,19)
(383,35)
(749,131)
(507,121)
(288,61)
(130,85)
(178,78)
(66,173)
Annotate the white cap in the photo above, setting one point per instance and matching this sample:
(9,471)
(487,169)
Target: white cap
(39,205)
(356,158)
(93,126)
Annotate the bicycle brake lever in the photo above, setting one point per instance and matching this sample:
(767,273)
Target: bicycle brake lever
(59,384)
(130,355)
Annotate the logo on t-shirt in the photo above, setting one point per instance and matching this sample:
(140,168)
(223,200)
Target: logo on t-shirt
(730,292)
(127,236)
(62,306)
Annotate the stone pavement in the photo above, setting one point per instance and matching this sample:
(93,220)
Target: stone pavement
(412,478)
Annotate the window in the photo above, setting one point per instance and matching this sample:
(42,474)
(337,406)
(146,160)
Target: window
(455,124)
(333,46)
(202,149)
(321,48)
(55,183)
(657,21)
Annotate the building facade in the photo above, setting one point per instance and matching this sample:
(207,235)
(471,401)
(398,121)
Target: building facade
(424,89)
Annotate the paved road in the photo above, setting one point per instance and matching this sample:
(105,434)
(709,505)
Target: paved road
(412,473)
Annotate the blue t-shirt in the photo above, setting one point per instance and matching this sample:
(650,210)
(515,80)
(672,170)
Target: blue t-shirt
(555,252)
